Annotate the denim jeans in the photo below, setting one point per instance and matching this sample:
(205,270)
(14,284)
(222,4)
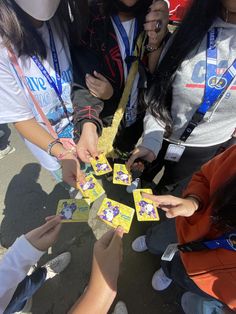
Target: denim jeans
(25,290)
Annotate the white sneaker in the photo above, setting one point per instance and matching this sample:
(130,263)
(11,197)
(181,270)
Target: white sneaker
(57,265)
(120,308)
(8,150)
(139,244)
(160,281)
(26,308)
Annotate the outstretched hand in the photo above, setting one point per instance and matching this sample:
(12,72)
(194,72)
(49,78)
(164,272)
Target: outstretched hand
(99,86)
(175,206)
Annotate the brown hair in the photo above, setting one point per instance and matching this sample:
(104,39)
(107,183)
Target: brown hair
(17,30)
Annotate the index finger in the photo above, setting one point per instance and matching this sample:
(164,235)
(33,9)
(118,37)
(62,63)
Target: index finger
(51,224)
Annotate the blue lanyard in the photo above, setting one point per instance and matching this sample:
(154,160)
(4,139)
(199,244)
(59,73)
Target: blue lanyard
(57,87)
(128,50)
(215,87)
(227,242)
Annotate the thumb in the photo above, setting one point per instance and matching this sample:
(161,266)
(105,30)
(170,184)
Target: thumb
(117,237)
(135,155)
(99,76)
(49,225)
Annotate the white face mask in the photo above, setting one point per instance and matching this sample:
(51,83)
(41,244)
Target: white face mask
(42,10)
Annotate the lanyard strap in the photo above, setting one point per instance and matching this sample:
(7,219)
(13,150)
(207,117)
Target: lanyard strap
(215,87)
(21,75)
(227,242)
(58,85)
(128,49)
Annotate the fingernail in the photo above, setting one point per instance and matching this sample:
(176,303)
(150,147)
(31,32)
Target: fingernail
(120,229)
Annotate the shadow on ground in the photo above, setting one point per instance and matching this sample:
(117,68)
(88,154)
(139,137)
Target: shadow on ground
(27,205)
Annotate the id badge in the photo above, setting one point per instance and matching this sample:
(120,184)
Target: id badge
(170,252)
(174,152)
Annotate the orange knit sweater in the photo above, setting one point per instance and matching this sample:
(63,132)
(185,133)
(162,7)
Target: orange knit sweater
(214,271)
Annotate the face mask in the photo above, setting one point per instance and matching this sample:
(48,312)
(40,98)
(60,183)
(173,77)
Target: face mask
(42,10)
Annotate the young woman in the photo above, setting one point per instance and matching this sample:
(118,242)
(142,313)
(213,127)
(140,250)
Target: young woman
(191,103)
(205,228)
(34,53)
(103,61)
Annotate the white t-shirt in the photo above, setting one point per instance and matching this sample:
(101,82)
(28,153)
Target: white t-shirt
(131,109)
(16,105)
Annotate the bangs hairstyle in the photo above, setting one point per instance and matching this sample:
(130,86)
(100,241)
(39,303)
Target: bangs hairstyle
(17,30)
(187,37)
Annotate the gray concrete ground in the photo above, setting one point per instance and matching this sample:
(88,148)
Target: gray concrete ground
(28,194)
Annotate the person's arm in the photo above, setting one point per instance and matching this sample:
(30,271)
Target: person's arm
(151,141)
(102,286)
(156,26)
(23,254)
(36,134)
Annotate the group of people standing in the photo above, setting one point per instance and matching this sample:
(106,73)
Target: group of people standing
(69,70)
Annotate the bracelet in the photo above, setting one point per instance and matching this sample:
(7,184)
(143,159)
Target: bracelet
(150,48)
(62,155)
(50,146)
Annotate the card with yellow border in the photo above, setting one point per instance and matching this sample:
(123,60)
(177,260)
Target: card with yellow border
(91,189)
(101,165)
(121,175)
(116,214)
(146,209)
(73,210)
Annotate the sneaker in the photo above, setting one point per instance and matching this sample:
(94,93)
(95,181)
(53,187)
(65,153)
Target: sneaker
(26,308)
(160,281)
(139,244)
(120,308)
(8,150)
(57,265)
(2,133)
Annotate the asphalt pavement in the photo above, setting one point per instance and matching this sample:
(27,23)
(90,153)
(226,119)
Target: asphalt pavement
(28,194)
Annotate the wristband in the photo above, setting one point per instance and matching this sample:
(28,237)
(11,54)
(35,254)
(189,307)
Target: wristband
(50,146)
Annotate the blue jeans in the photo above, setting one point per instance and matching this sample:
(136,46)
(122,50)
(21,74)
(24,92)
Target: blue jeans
(25,290)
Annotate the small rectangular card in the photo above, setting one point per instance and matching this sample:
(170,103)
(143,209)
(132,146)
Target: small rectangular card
(73,210)
(146,209)
(101,165)
(170,252)
(116,214)
(91,189)
(121,175)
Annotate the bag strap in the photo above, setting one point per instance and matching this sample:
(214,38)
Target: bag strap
(138,52)
(21,75)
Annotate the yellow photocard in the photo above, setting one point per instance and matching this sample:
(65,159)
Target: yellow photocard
(73,210)
(146,210)
(116,214)
(91,189)
(121,175)
(101,165)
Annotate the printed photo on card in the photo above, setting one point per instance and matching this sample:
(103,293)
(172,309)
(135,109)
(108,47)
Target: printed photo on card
(116,214)
(91,189)
(73,210)
(146,209)
(121,175)
(101,165)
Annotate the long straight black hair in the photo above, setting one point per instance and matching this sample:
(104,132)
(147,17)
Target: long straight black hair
(17,30)
(191,32)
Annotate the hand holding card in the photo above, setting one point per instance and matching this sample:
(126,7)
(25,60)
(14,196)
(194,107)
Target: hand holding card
(101,165)
(91,189)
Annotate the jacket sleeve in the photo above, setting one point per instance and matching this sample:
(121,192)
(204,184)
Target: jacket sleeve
(153,134)
(87,108)
(14,267)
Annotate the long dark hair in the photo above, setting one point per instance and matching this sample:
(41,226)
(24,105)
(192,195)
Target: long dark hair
(194,27)
(223,203)
(17,30)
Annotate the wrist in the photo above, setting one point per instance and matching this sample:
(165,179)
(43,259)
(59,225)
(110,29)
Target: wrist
(89,126)
(195,202)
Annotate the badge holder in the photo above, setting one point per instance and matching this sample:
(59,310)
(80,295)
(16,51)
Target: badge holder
(174,152)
